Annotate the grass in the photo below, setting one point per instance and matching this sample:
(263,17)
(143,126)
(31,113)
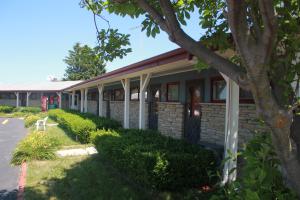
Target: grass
(77,178)
(89,178)
(64,138)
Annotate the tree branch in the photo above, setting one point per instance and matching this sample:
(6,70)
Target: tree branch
(172,27)
(270,25)
(156,16)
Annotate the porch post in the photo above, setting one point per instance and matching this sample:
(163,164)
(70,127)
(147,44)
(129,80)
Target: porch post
(126,86)
(60,100)
(69,102)
(81,100)
(231,129)
(27,98)
(73,100)
(144,81)
(86,100)
(100,90)
(17,101)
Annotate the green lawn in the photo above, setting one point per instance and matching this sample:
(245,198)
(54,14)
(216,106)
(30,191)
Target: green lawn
(89,178)
(78,178)
(86,178)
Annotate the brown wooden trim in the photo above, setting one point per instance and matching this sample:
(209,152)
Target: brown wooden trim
(173,83)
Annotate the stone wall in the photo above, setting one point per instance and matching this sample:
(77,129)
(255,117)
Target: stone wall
(35,103)
(117,110)
(92,107)
(8,102)
(170,119)
(213,123)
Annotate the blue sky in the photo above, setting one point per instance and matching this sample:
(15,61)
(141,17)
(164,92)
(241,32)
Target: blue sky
(37,34)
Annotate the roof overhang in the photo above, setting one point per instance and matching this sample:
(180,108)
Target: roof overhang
(169,62)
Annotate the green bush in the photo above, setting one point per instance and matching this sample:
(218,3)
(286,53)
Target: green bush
(28,109)
(82,124)
(154,160)
(31,120)
(6,109)
(260,176)
(73,123)
(100,122)
(36,146)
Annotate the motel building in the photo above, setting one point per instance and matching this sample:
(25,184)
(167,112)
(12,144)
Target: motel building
(165,93)
(21,95)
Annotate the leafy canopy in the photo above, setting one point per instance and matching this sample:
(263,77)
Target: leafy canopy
(213,19)
(83,63)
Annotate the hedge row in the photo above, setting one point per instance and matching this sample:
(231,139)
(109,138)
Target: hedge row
(28,109)
(6,109)
(81,125)
(154,160)
(100,122)
(10,109)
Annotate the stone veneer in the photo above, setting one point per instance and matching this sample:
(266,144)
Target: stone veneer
(213,123)
(170,119)
(92,107)
(8,102)
(117,112)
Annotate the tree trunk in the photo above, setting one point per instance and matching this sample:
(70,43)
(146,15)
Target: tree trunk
(279,120)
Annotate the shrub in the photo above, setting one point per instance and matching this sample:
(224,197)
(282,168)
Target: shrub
(36,146)
(100,122)
(73,123)
(154,160)
(81,124)
(28,109)
(6,109)
(31,120)
(260,176)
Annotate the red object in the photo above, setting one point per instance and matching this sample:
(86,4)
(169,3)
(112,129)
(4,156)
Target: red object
(51,101)
(44,103)
(22,180)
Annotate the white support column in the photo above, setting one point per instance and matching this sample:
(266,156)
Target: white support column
(17,101)
(100,90)
(231,129)
(126,86)
(144,81)
(27,98)
(86,100)
(70,99)
(82,100)
(73,100)
(60,100)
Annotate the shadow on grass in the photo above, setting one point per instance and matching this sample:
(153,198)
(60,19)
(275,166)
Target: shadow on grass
(8,195)
(89,179)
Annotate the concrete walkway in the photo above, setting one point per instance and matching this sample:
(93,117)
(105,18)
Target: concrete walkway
(11,132)
(77,152)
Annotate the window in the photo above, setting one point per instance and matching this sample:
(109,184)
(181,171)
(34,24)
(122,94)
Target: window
(218,89)
(119,95)
(33,96)
(92,96)
(134,93)
(106,95)
(219,92)
(173,92)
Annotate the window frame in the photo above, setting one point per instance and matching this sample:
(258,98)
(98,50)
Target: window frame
(114,94)
(138,92)
(167,94)
(220,78)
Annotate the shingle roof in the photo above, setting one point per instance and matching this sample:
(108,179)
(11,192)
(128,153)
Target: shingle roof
(44,86)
